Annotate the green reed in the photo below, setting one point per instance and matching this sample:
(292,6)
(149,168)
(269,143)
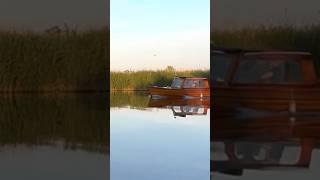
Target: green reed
(142,80)
(45,61)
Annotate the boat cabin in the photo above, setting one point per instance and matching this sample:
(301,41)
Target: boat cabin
(263,68)
(269,80)
(183,87)
(189,82)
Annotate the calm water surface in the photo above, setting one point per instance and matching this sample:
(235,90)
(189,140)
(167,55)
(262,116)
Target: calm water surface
(157,142)
(54,137)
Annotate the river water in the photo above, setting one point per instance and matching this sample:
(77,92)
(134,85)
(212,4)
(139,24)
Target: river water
(158,139)
(54,137)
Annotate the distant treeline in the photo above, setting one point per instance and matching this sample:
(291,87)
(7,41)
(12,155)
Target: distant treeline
(142,80)
(54,60)
(284,37)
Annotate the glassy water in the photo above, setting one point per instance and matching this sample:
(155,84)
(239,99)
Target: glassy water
(161,139)
(54,137)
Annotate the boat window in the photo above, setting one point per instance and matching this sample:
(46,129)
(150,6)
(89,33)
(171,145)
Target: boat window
(291,155)
(220,66)
(252,70)
(190,83)
(192,109)
(294,71)
(201,84)
(218,151)
(176,83)
(255,152)
(177,109)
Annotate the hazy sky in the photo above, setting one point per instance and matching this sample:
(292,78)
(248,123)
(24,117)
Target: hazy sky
(41,14)
(151,34)
(240,13)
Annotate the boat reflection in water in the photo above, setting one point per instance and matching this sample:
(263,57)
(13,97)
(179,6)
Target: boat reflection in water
(182,107)
(262,141)
(183,111)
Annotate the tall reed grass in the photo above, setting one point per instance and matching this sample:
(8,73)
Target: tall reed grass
(61,61)
(142,80)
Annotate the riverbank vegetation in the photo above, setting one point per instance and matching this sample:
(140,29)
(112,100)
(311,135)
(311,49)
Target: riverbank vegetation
(54,60)
(142,80)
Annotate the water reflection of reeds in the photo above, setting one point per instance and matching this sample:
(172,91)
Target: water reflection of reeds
(78,122)
(138,100)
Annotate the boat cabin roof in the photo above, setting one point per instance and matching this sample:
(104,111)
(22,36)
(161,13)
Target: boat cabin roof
(276,54)
(237,50)
(238,66)
(258,52)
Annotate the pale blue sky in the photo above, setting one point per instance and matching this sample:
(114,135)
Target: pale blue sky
(151,34)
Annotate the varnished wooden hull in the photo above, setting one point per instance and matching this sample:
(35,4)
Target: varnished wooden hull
(183,92)
(279,99)
(277,127)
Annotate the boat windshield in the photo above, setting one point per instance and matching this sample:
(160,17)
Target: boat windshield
(220,66)
(194,83)
(254,70)
(176,83)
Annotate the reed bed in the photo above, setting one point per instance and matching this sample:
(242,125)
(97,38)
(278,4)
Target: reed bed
(142,80)
(284,37)
(53,61)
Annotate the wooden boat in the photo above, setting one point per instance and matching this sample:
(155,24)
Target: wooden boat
(183,87)
(273,80)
